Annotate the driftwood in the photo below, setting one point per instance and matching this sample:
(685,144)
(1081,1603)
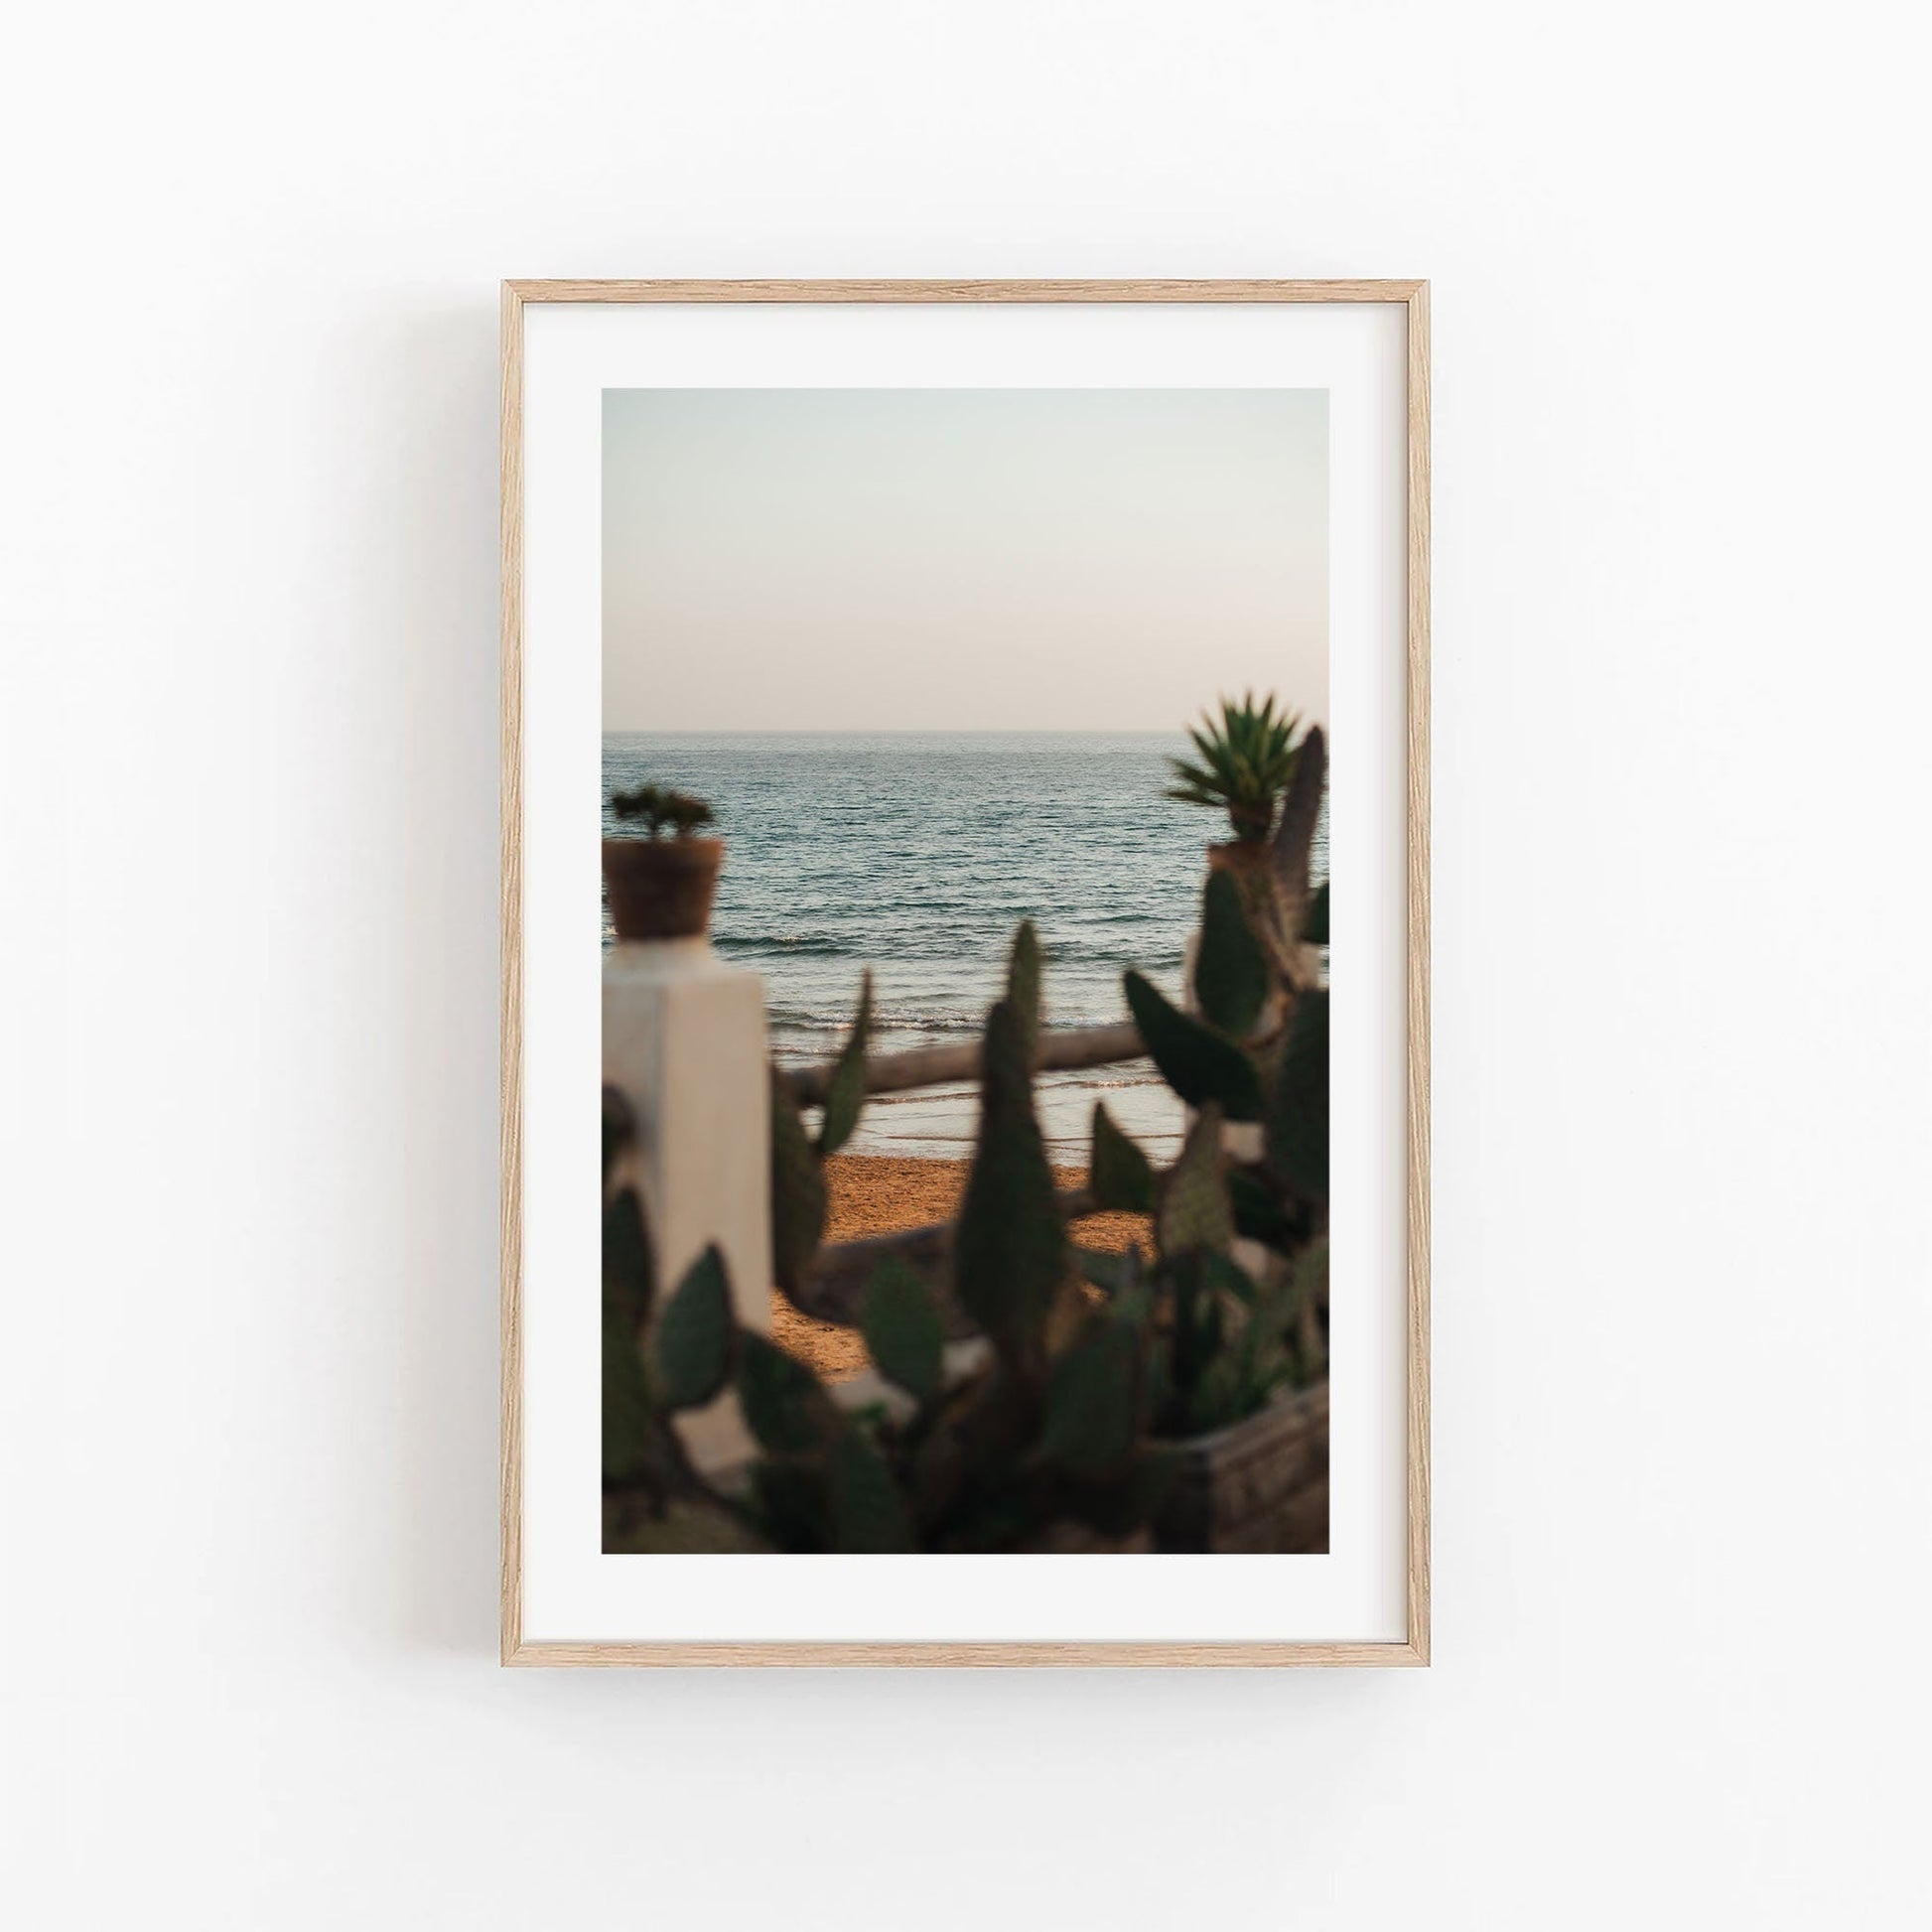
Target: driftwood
(834,1288)
(938,1067)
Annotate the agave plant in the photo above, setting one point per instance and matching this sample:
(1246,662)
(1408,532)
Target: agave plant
(1246,761)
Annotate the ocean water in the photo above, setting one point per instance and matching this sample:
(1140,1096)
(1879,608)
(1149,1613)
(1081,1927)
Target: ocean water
(918,854)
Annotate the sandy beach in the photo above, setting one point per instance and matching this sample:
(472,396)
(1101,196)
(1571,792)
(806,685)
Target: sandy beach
(872,1193)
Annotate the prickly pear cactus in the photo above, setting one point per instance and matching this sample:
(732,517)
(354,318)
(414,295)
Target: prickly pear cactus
(1231,978)
(1200,1063)
(1009,1256)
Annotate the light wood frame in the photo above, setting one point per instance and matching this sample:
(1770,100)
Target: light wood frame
(1414,296)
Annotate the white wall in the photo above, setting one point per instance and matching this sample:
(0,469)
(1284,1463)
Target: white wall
(249,1072)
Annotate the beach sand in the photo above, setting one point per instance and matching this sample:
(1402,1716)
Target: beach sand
(877,1193)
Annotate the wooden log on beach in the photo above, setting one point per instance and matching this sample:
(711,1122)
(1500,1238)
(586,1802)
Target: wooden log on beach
(941,1067)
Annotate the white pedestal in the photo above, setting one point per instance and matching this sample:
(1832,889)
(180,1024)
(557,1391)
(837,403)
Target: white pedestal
(684,1042)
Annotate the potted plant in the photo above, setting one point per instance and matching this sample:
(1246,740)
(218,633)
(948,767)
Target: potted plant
(661,885)
(1245,763)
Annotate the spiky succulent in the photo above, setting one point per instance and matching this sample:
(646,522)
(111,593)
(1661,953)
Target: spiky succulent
(660,809)
(1246,761)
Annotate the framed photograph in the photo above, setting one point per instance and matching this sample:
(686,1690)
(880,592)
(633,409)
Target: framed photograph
(965,973)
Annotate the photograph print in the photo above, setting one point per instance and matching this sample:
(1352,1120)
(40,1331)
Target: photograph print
(965,976)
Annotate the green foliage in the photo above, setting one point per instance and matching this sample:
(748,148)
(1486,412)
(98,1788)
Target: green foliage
(1258,1212)
(630,1273)
(797,1191)
(1119,1175)
(1092,1401)
(1297,1111)
(694,1335)
(1024,993)
(1231,977)
(904,1334)
(629,1267)
(845,1091)
(1308,1308)
(798,1197)
(1244,763)
(1240,1377)
(626,1398)
(1230,1337)
(1194,1209)
(869,1515)
(1201,1066)
(1010,1255)
(659,809)
(649,1483)
(1051,1432)
(784,1406)
(1057,1430)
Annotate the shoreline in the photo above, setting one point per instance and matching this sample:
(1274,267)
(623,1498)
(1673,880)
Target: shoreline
(937,1127)
(882,1194)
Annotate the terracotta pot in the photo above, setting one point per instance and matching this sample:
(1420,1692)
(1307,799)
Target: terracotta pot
(1260,1486)
(661,889)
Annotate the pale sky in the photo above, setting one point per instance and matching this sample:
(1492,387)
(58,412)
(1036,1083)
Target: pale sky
(961,559)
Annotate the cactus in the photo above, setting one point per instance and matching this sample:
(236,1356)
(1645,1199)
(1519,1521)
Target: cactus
(903,1331)
(798,1202)
(1010,1256)
(1120,1175)
(1298,1108)
(1256,1050)
(1062,1427)
(1023,986)
(844,1092)
(784,1406)
(1094,1357)
(1195,1215)
(869,1513)
(1092,1401)
(1052,1431)
(1200,1064)
(1286,923)
(652,1495)
(797,1193)
(628,1412)
(694,1335)
(1231,980)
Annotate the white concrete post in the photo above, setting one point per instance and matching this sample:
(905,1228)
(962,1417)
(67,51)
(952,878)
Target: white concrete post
(684,1042)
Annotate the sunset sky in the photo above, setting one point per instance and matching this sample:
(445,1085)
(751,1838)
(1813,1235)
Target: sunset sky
(960,559)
